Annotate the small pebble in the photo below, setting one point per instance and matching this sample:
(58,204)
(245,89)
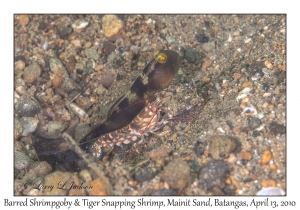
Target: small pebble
(254,123)
(199,148)
(254,177)
(30,175)
(268,183)
(42,26)
(276,128)
(18,129)
(99,188)
(176,174)
(100,89)
(91,53)
(107,79)
(246,100)
(69,63)
(32,72)
(19,65)
(273,167)
(99,67)
(31,192)
(266,157)
(85,175)
(237,76)
(205,80)
(89,67)
(195,167)
(42,168)
(220,146)
(81,130)
(24,19)
(245,155)
(209,46)
(160,152)
(231,158)
(202,38)
(69,85)
(57,81)
(63,55)
(19,146)
(21,161)
(212,174)
(170,39)
(111,26)
(76,43)
(83,102)
(206,63)
(190,56)
(27,107)
(256,67)
(58,68)
(51,130)
(64,31)
(135,49)
(55,127)
(109,47)
(88,45)
(54,179)
(268,64)
(248,179)
(266,87)
(144,174)
(248,84)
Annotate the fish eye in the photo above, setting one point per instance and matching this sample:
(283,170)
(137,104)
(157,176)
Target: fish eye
(162,58)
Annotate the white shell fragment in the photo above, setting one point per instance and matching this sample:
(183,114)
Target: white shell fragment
(221,130)
(80,112)
(149,21)
(45,45)
(229,38)
(249,111)
(79,24)
(271,191)
(247,40)
(243,93)
(266,94)
(259,128)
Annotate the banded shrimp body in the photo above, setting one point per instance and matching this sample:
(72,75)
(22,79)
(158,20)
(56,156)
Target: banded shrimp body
(148,120)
